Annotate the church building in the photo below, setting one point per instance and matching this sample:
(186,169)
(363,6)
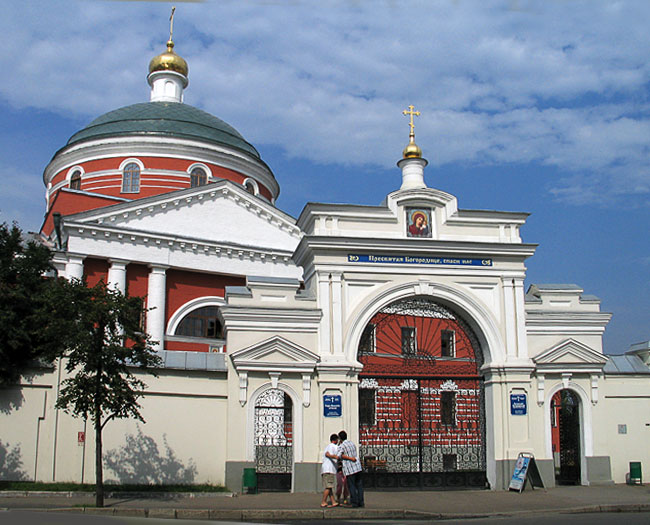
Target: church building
(406,323)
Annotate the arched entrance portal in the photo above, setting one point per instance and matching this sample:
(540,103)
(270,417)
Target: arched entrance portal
(421,398)
(565,432)
(273,440)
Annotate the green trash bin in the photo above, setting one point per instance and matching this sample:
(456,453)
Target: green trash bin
(249,481)
(635,473)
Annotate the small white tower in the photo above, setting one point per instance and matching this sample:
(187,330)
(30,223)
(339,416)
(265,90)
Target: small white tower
(168,73)
(412,163)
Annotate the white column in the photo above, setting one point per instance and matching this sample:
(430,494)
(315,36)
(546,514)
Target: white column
(117,275)
(74,268)
(156,295)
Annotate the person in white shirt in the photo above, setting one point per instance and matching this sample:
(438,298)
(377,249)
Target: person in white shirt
(328,471)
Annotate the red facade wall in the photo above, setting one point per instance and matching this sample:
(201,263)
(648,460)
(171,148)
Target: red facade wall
(95,270)
(150,183)
(183,286)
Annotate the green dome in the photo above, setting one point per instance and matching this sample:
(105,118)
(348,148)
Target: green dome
(167,119)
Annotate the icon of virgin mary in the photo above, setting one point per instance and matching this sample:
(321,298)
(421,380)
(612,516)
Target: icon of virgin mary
(418,224)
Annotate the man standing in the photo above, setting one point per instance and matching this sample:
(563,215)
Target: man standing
(352,469)
(328,472)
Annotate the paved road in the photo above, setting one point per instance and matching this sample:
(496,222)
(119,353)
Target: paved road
(38,518)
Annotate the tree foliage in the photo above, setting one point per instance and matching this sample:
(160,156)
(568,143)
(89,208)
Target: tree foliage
(107,343)
(31,311)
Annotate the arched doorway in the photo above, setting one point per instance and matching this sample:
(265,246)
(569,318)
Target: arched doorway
(421,398)
(274,440)
(565,435)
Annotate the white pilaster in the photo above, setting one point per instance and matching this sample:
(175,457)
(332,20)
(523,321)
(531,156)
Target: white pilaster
(337,314)
(74,268)
(412,173)
(156,295)
(324,299)
(522,341)
(117,275)
(510,317)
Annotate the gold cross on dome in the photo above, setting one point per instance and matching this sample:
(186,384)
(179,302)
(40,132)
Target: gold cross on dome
(411,113)
(171,23)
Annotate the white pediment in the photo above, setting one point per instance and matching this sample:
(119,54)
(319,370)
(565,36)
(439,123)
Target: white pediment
(276,354)
(218,213)
(568,356)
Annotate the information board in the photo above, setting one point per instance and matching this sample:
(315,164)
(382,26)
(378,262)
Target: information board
(332,405)
(525,470)
(518,404)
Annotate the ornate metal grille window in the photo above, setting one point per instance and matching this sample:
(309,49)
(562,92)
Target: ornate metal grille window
(409,340)
(448,408)
(447,343)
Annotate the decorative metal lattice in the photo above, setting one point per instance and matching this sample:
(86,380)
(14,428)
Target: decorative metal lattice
(273,432)
(421,411)
(569,424)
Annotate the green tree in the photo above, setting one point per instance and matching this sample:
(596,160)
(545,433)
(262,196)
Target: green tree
(31,314)
(108,342)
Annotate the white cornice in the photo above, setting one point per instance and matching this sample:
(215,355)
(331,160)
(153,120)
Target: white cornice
(341,247)
(175,242)
(118,213)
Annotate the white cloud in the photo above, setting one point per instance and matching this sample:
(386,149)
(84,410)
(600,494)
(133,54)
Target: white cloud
(558,83)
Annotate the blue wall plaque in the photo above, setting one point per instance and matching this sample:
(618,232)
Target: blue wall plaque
(332,406)
(518,404)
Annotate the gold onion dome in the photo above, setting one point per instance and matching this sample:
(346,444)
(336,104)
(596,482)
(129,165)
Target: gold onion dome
(169,61)
(412,150)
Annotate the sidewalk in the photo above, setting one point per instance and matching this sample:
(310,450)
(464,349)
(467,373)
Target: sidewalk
(379,505)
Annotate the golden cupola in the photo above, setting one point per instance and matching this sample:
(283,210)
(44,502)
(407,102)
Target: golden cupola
(412,163)
(169,61)
(168,72)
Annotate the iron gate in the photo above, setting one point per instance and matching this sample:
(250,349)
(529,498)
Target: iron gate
(273,441)
(421,399)
(569,423)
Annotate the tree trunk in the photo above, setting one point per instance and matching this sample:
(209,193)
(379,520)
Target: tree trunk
(99,467)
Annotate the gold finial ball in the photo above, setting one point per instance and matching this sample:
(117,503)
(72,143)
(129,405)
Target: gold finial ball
(412,150)
(169,61)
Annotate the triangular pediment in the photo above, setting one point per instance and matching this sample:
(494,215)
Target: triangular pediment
(569,355)
(276,354)
(221,213)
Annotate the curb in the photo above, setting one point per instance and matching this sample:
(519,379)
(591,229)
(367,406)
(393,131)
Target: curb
(326,514)
(141,495)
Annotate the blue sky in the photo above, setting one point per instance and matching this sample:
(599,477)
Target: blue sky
(537,106)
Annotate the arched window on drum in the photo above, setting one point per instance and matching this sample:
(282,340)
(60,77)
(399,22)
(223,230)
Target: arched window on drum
(75,181)
(131,178)
(198,177)
(202,322)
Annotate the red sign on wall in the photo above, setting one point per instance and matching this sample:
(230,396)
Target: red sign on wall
(81,438)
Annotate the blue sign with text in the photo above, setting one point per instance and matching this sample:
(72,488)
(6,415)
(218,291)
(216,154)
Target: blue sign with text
(417,259)
(518,404)
(332,406)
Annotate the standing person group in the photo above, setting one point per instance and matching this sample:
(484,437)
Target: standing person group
(351,469)
(344,455)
